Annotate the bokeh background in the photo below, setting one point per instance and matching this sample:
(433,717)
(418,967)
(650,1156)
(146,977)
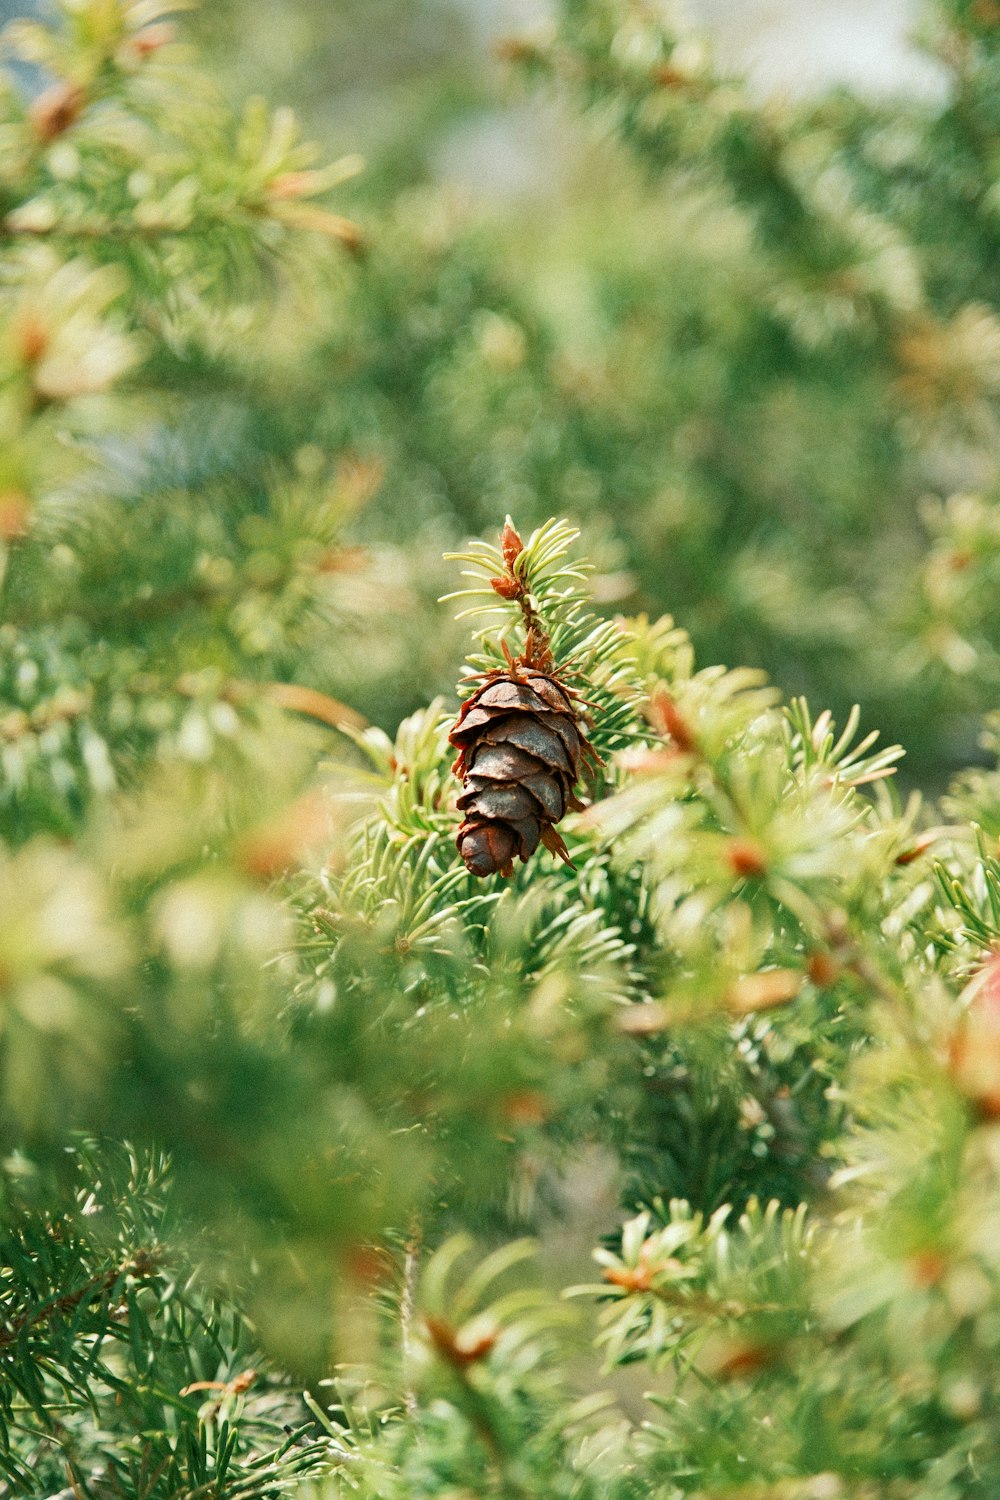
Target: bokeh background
(549,320)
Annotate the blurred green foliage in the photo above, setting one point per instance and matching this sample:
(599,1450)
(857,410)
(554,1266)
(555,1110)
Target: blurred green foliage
(249,393)
(750,343)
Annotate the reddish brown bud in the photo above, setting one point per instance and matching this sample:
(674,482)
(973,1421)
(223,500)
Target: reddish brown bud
(31,340)
(284,841)
(744,1359)
(235,1387)
(15,513)
(537,651)
(458,1350)
(927,1267)
(745,857)
(823,969)
(55,110)
(342,560)
(528,1107)
(630,1278)
(669,77)
(919,846)
(510,543)
(507,588)
(150,40)
(475,1349)
(297,213)
(291,185)
(666,717)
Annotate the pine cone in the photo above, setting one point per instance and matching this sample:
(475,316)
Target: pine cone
(521,752)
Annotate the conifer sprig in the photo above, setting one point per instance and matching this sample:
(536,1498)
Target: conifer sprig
(594,655)
(118,1368)
(762,981)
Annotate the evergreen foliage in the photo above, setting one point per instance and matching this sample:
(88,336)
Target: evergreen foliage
(282,1084)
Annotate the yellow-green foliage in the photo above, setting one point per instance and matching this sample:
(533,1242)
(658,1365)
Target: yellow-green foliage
(282,1085)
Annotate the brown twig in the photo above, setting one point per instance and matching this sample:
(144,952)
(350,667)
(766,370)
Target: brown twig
(96,1286)
(537,651)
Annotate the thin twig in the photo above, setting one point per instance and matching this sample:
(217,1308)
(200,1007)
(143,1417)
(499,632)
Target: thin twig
(407,1309)
(97,1285)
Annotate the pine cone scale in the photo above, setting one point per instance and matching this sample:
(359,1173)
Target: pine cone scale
(552,695)
(498,799)
(508,695)
(529,833)
(503,761)
(487,847)
(571,737)
(549,793)
(468,726)
(537,738)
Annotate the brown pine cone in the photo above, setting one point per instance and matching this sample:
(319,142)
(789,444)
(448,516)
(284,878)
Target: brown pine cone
(521,752)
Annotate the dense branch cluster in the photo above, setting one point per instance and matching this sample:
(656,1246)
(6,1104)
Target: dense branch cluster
(744,1033)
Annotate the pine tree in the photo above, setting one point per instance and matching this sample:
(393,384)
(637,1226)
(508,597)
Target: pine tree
(286,1080)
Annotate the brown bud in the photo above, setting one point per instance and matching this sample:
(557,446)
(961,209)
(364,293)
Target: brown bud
(742,1359)
(666,717)
(298,214)
(150,40)
(537,650)
(15,513)
(927,1267)
(55,110)
(528,1107)
(284,841)
(507,588)
(745,857)
(669,77)
(235,1387)
(919,846)
(293,185)
(458,1350)
(369,1265)
(823,969)
(31,340)
(510,543)
(630,1278)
